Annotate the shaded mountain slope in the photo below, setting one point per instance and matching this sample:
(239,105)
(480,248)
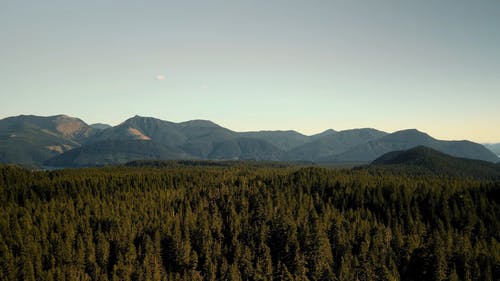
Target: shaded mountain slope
(426,160)
(406,139)
(144,128)
(100,126)
(61,126)
(284,140)
(332,144)
(493,147)
(202,135)
(323,134)
(245,149)
(29,140)
(115,152)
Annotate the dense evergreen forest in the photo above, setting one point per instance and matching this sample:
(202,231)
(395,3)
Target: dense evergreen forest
(244,222)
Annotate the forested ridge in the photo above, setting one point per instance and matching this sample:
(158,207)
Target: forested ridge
(241,222)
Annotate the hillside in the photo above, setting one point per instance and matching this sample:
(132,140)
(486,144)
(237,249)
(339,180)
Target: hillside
(493,147)
(284,140)
(426,160)
(142,128)
(115,152)
(406,139)
(100,126)
(29,140)
(328,145)
(245,149)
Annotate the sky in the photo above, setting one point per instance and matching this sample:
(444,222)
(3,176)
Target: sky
(248,65)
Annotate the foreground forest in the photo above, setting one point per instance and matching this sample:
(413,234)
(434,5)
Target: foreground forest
(244,222)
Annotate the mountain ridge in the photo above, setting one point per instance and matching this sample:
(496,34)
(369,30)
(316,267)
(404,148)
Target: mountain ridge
(30,139)
(67,141)
(425,160)
(493,147)
(406,139)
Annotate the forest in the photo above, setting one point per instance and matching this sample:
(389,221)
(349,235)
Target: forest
(246,222)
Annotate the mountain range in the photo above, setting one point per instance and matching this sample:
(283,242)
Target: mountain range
(424,161)
(494,147)
(64,141)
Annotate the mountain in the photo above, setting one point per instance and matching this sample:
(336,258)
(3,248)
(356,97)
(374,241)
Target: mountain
(424,160)
(245,149)
(115,152)
(287,140)
(144,128)
(406,139)
(202,137)
(67,141)
(323,134)
(28,139)
(328,145)
(493,147)
(100,126)
(284,140)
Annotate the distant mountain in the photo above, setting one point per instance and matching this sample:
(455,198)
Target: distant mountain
(331,144)
(100,126)
(493,147)
(115,152)
(406,139)
(144,128)
(202,137)
(28,139)
(284,140)
(426,160)
(66,141)
(287,140)
(323,134)
(245,149)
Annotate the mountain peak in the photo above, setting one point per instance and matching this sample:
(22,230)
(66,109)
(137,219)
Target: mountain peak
(199,123)
(413,134)
(409,132)
(142,120)
(138,117)
(69,126)
(100,126)
(324,133)
(64,116)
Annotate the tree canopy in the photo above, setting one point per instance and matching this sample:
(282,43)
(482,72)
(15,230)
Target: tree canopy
(243,222)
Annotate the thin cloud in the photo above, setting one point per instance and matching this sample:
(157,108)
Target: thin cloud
(160,77)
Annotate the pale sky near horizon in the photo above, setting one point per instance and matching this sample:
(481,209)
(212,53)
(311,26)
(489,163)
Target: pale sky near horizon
(258,65)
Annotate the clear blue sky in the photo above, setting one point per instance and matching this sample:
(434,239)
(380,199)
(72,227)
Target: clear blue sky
(247,65)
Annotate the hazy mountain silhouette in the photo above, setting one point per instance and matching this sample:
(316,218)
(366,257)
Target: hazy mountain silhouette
(100,126)
(245,149)
(324,134)
(287,140)
(493,147)
(65,141)
(115,152)
(284,140)
(406,139)
(426,160)
(202,136)
(331,144)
